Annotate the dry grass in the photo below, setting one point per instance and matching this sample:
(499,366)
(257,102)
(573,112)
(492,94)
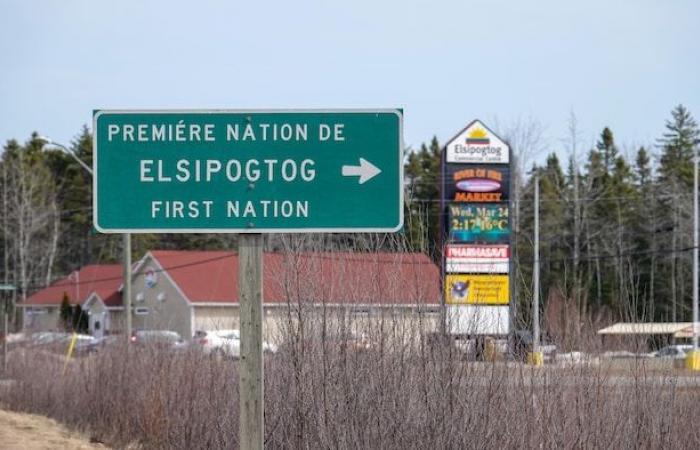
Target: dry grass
(31,432)
(322,395)
(406,392)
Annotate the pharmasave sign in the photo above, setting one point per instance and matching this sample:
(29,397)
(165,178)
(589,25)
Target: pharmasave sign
(477,184)
(476,144)
(468,258)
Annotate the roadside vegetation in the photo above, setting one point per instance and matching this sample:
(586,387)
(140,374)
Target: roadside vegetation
(329,393)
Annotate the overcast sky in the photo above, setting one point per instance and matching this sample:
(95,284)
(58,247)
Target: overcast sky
(622,64)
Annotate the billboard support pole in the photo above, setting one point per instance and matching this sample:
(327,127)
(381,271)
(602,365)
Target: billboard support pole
(127,284)
(514,217)
(443,237)
(251,367)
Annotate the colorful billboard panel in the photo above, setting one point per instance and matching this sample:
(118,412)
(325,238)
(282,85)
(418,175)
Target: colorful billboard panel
(466,289)
(476,319)
(466,258)
(476,144)
(481,184)
(478,223)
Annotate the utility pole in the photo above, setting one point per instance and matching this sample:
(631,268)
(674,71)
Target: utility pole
(577,213)
(127,284)
(693,358)
(695,250)
(251,429)
(536,357)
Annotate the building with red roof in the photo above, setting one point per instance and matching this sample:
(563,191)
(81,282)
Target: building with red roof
(187,291)
(92,287)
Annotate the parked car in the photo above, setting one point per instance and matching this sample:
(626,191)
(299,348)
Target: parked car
(103,342)
(673,351)
(218,342)
(60,342)
(49,337)
(622,354)
(354,342)
(84,344)
(334,341)
(165,339)
(224,343)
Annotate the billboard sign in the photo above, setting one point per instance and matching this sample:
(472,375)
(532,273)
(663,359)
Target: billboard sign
(476,184)
(258,171)
(478,223)
(476,144)
(467,258)
(467,289)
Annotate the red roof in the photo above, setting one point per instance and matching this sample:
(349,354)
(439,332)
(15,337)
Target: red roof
(357,278)
(102,279)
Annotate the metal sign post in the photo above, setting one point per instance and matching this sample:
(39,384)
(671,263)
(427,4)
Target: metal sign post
(127,284)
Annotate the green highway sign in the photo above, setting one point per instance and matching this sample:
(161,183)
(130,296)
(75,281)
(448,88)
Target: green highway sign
(248,171)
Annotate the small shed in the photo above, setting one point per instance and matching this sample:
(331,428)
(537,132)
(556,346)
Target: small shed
(662,332)
(648,328)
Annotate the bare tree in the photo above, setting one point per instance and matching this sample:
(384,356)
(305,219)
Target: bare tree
(30,226)
(573,139)
(526,140)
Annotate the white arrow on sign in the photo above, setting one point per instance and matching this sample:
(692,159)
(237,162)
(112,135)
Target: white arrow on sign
(366,171)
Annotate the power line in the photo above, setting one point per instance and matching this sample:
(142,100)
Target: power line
(599,199)
(309,255)
(387,261)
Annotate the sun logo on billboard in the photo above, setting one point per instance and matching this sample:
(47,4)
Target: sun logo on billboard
(478,136)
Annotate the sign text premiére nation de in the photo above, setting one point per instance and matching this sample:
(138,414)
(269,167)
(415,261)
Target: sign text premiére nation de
(249,171)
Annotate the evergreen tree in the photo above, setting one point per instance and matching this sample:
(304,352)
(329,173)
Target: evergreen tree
(674,230)
(677,144)
(643,168)
(644,218)
(606,146)
(423,174)
(554,249)
(80,320)
(66,313)
(596,173)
